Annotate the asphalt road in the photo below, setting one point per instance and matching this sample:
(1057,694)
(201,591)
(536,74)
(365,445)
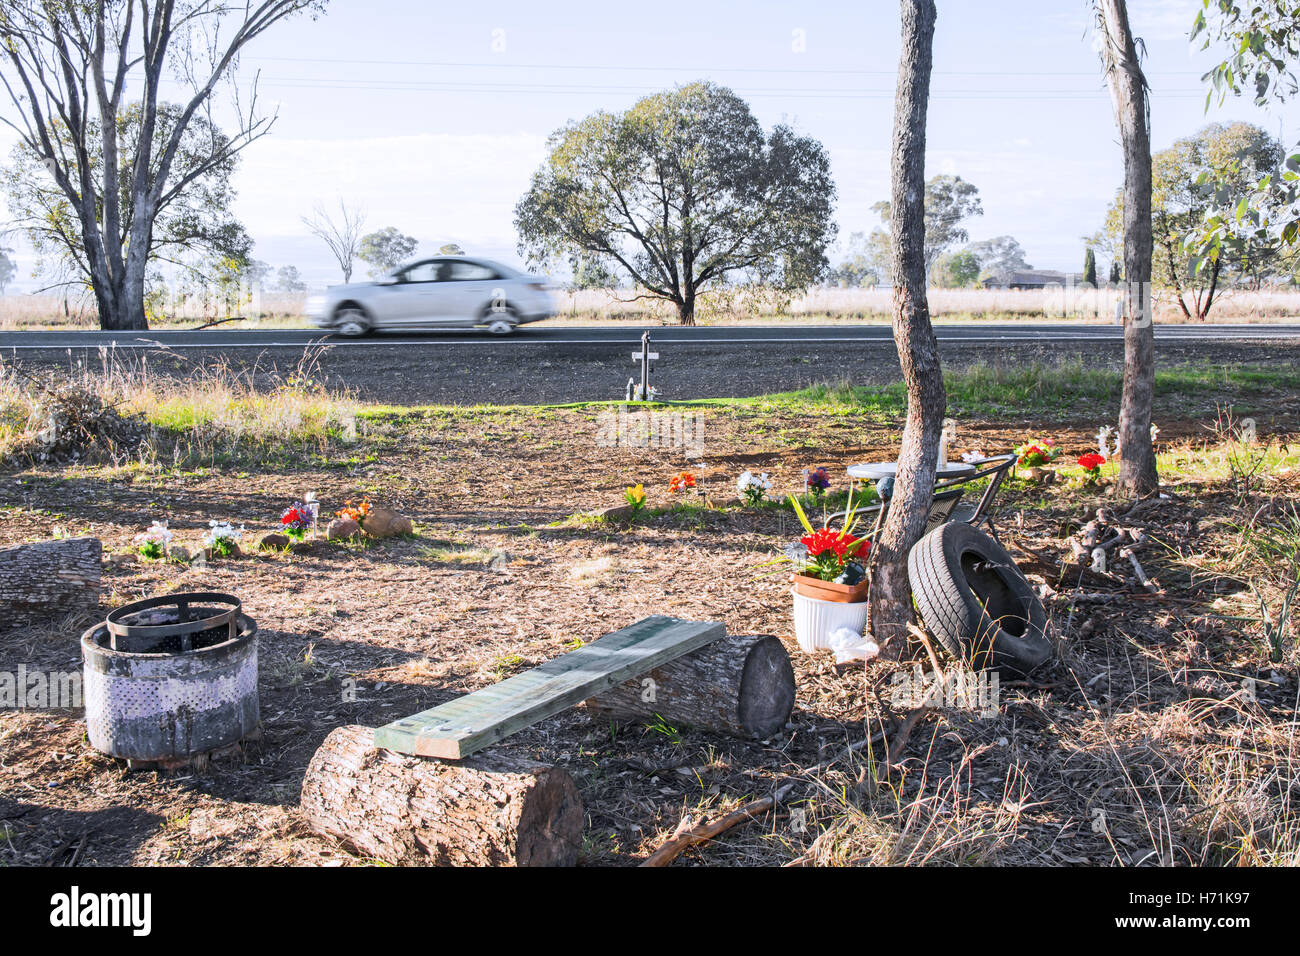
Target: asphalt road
(763,336)
(569,364)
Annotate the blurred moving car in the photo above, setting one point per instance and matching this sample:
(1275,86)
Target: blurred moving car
(449,292)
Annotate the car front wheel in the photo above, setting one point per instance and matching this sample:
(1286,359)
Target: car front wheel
(351,322)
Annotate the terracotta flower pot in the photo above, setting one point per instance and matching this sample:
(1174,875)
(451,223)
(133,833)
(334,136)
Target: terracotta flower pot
(821,590)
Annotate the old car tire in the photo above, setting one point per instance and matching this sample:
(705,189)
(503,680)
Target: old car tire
(973,598)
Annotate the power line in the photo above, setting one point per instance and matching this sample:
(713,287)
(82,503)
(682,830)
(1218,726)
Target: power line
(707,69)
(502,88)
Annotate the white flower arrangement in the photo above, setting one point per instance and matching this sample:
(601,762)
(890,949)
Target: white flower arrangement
(153,543)
(222,538)
(753,488)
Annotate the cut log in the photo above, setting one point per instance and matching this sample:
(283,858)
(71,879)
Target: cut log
(50,577)
(491,809)
(742,686)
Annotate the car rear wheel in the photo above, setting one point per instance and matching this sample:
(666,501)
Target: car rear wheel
(501,321)
(351,322)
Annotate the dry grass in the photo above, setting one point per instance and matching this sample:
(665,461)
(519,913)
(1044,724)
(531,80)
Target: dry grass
(874,305)
(208,415)
(818,305)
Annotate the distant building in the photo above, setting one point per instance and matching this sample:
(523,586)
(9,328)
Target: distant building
(1032,279)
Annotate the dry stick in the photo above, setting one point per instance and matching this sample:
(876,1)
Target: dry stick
(1137,569)
(682,840)
(707,831)
(940,676)
(904,732)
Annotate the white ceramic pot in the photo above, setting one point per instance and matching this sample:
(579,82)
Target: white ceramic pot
(815,621)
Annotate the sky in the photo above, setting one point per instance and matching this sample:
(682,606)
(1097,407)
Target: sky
(432,116)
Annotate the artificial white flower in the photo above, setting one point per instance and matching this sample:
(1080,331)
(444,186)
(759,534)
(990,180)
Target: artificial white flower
(748,479)
(158,534)
(222,530)
(1103,441)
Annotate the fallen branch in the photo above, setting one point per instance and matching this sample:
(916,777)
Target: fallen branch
(904,732)
(682,842)
(683,839)
(1137,569)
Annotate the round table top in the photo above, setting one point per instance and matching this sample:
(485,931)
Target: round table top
(888,469)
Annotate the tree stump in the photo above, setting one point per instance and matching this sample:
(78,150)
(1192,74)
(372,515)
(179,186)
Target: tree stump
(50,577)
(491,809)
(742,686)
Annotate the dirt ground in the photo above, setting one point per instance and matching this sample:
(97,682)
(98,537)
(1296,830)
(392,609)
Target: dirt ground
(1108,756)
(494,372)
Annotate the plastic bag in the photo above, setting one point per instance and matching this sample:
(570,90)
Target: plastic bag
(849,645)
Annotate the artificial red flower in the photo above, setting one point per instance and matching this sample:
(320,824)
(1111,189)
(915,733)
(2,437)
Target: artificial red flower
(824,539)
(683,480)
(1091,461)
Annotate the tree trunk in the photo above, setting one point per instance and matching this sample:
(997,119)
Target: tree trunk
(1209,296)
(491,809)
(51,577)
(686,309)
(890,594)
(741,686)
(1137,473)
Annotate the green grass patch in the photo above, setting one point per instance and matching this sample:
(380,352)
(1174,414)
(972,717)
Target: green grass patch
(1072,389)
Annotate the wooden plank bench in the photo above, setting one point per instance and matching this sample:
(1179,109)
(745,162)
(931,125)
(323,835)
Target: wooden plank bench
(460,727)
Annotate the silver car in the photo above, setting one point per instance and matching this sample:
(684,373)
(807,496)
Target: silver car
(449,292)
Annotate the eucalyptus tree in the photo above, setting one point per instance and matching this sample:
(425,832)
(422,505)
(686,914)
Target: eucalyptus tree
(890,601)
(1261,45)
(683,193)
(70,67)
(1128,91)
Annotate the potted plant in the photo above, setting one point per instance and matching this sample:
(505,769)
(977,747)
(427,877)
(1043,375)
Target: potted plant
(830,583)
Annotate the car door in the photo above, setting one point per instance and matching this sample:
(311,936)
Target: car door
(425,297)
(470,291)
(403,301)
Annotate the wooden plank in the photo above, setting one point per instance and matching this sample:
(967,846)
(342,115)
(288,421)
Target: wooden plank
(459,727)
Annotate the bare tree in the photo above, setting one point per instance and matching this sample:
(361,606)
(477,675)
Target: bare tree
(890,598)
(71,66)
(343,237)
(1128,92)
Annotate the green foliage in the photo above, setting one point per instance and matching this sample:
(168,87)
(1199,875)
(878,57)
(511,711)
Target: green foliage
(955,270)
(1089,267)
(195,226)
(1210,175)
(949,201)
(866,262)
(685,194)
(592,272)
(8,269)
(386,249)
(1116,276)
(288,279)
(1263,46)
